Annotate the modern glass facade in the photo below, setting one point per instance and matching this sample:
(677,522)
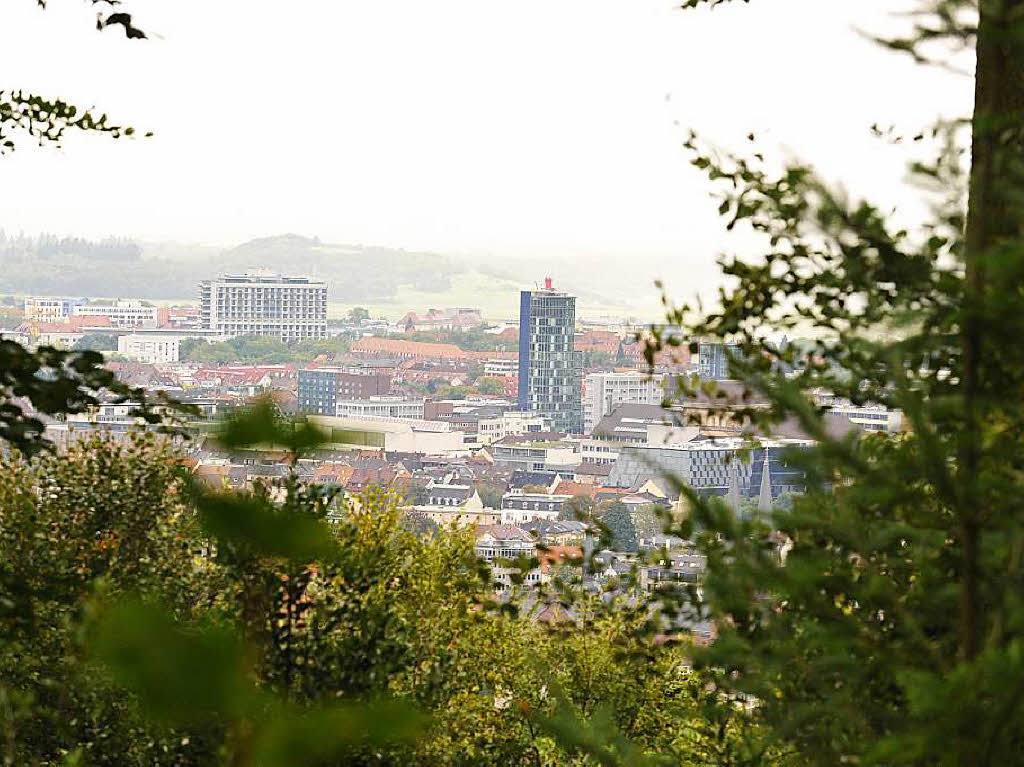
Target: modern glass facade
(550,370)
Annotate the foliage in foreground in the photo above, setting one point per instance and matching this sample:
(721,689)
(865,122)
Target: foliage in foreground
(149,622)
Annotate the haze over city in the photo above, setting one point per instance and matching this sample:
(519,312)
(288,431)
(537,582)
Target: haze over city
(534,131)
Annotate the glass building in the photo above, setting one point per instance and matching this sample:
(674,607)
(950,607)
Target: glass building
(550,369)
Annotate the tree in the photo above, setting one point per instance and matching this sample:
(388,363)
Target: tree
(490,495)
(100,342)
(357,315)
(578,508)
(891,587)
(70,381)
(619,522)
(490,386)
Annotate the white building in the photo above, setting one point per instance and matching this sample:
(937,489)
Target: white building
(501,367)
(381,407)
(264,304)
(508,424)
(122,314)
(150,349)
(603,391)
(391,435)
(870,418)
(49,308)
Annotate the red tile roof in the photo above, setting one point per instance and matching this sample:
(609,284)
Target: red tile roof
(393,347)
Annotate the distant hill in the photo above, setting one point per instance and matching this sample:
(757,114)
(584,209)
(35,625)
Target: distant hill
(388,280)
(71,266)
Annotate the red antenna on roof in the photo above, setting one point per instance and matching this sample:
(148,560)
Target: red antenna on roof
(547,283)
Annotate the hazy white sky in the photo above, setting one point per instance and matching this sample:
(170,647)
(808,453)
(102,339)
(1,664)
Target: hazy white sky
(531,127)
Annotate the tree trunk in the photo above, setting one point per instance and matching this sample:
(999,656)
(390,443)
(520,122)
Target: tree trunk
(997,152)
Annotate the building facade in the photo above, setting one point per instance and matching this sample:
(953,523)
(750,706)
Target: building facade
(381,407)
(550,369)
(714,360)
(148,349)
(264,304)
(49,308)
(122,314)
(606,390)
(320,389)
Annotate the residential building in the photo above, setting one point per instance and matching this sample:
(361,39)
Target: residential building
(264,304)
(714,360)
(550,369)
(320,389)
(381,407)
(122,314)
(457,318)
(603,391)
(504,542)
(49,308)
(149,349)
(519,508)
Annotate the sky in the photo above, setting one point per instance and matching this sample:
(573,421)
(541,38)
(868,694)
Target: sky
(534,128)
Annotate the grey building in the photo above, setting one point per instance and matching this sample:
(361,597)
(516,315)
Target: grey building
(320,389)
(264,304)
(550,369)
(712,467)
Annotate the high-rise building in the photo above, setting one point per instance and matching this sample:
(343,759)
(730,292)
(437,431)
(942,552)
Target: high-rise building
(606,390)
(714,360)
(320,389)
(550,370)
(264,304)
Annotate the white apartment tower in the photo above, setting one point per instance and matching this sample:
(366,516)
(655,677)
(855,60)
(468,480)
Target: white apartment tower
(603,391)
(264,304)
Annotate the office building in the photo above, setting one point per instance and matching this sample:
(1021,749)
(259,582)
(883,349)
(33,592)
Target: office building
(320,389)
(550,369)
(122,314)
(606,390)
(264,304)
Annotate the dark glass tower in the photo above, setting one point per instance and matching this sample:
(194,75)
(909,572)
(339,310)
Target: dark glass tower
(550,370)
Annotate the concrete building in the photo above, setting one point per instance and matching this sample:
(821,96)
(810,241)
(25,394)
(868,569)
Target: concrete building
(320,389)
(50,308)
(606,390)
(550,369)
(714,360)
(122,314)
(150,349)
(381,407)
(391,435)
(264,304)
